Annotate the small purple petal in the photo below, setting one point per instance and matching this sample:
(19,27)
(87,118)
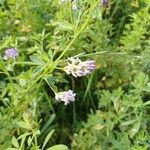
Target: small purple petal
(78,68)
(81,73)
(90,65)
(66,96)
(11,53)
(104,2)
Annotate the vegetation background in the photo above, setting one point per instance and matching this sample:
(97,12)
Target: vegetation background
(111,111)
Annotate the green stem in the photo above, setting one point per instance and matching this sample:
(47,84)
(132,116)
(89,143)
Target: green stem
(74,113)
(74,106)
(88,86)
(25,63)
(49,101)
(75,37)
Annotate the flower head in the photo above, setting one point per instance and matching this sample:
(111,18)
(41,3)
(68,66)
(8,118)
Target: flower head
(104,2)
(66,96)
(79,68)
(11,53)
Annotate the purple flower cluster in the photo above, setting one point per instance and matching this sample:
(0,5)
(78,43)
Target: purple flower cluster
(104,2)
(10,53)
(79,68)
(65,96)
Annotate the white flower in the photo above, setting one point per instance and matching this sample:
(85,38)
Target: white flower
(78,68)
(65,96)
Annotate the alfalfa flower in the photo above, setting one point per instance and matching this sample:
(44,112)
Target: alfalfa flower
(65,96)
(88,66)
(10,53)
(79,68)
(104,2)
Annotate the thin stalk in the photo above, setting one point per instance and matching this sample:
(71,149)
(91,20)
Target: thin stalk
(35,139)
(74,113)
(74,106)
(113,13)
(25,63)
(75,37)
(88,86)
(49,102)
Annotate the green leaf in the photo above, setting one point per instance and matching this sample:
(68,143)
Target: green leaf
(50,54)
(23,124)
(117,144)
(23,135)
(38,70)
(147,103)
(29,141)
(48,123)
(134,130)
(51,83)
(48,138)
(25,118)
(88,86)
(140,81)
(58,147)
(37,60)
(37,132)
(126,123)
(64,26)
(15,142)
